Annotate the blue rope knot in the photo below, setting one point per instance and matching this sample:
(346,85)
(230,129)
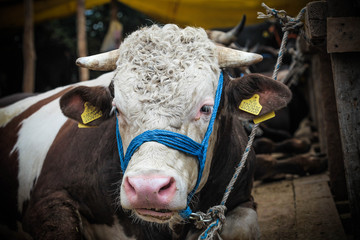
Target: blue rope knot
(217,216)
(176,141)
(205,234)
(185,213)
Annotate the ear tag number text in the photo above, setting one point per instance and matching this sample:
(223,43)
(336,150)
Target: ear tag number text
(251,105)
(90,113)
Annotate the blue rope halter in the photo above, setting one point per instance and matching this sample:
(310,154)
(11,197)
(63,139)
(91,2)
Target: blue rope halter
(176,141)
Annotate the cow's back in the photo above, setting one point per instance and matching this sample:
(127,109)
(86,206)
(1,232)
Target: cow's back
(8,100)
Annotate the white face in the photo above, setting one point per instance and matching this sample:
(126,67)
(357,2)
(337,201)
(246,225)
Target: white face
(156,90)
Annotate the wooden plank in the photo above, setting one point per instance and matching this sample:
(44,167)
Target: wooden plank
(276,210)
(343,34)
(316,214)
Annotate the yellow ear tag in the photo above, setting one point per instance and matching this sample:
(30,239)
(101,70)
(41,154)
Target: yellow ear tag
(265,34)
(80,125)
(251,105)
(90,113)
(264,117)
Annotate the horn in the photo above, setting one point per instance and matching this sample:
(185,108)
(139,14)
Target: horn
(228,57)
(233,33)
(100,62)
(227,38)
(221,37)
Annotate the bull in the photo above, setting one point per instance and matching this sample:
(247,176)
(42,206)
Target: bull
(71,168)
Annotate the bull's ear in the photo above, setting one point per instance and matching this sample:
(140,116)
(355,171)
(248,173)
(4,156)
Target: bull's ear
(89,106)
(257,94)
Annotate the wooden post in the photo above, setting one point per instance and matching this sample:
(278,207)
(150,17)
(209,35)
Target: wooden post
(318,103)
(29,49)
(347,88)
(315,27)
(322,74)
(81,37)
(345,60)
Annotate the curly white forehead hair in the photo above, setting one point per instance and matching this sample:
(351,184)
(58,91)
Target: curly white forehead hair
(162,53)
(156,62)
(181,46)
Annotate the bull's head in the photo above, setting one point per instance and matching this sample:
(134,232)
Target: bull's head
(166,78)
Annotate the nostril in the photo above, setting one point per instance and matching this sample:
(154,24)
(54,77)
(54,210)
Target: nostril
(165,187)
(129,187)
(168,188)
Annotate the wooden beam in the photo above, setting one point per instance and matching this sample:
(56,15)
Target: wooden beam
(29,49)
(322,76)
(347,89)
(346,72)
(318,103)
(343,34)
(315,22)
(81,37)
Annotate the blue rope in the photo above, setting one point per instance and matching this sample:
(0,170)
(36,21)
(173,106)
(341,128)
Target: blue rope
(120,145)
(185,213)
(176,141)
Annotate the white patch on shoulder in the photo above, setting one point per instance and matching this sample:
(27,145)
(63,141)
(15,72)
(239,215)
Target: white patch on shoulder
(103,231)
(241,223)
(36,135)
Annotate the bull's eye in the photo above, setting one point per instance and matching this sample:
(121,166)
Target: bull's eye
(206,109)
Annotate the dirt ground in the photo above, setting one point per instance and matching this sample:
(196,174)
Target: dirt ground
(300,208)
